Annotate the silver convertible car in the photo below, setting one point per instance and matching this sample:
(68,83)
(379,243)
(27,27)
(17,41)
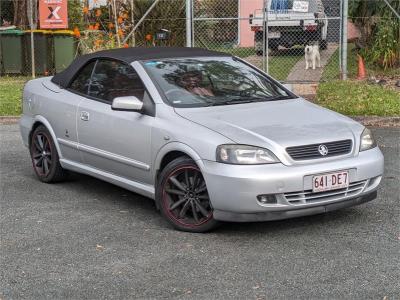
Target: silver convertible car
(206,135)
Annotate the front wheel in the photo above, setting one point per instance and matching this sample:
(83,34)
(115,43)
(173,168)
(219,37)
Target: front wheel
(183,197)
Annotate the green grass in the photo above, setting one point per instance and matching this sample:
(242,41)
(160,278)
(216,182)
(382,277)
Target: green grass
(238,51)
(331,70)
(280,66)
(358,98)
(11,95)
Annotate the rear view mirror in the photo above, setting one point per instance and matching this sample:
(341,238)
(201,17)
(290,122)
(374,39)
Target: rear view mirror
(127,103)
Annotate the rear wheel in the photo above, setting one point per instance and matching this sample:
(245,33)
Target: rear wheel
(183,197)
(44,156)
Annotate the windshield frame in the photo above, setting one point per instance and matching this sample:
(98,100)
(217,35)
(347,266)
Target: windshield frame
(165,99)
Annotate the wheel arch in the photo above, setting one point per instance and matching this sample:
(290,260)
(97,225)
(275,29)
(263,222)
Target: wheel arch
(172,151)
(40,120)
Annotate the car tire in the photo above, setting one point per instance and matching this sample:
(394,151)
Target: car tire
(44,156)
(183,198)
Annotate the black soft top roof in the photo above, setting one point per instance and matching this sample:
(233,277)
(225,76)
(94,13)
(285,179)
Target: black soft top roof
(130,55)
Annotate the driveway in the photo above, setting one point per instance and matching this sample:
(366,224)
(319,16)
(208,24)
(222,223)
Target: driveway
(86,239)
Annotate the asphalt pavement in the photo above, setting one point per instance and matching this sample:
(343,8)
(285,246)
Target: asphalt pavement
(86,239)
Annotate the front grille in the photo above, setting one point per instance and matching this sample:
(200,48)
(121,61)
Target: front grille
(309,196)
(312,151)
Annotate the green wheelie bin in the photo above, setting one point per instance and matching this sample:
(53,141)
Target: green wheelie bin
(43,56)
(11,52)
(64,49)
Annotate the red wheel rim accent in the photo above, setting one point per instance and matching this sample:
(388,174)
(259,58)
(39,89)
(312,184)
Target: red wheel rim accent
(41,152)
(197,202)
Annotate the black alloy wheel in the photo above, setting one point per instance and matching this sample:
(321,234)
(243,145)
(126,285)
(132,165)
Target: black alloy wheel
(44,156)
(184,198)
(41,154)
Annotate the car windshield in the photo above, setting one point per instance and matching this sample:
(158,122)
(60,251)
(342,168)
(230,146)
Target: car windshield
(211,81)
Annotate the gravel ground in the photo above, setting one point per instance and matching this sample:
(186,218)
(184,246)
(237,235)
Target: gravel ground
(86,239)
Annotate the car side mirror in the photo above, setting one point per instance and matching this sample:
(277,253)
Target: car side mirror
(127,103)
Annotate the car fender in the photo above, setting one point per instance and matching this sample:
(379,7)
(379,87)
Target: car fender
(177,146)
(46,123)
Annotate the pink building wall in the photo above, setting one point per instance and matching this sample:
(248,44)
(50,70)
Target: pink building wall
(247,7)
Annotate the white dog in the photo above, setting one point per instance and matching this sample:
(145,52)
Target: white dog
(312,56)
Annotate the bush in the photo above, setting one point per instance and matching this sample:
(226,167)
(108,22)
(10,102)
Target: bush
(380,31)
(385,46)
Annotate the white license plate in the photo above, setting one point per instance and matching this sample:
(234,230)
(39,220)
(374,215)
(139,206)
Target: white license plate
(330,181)
(274,34)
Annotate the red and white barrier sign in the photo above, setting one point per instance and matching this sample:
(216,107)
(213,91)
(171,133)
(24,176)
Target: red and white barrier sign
(53,14)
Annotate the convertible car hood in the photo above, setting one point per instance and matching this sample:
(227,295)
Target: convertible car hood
(284,123)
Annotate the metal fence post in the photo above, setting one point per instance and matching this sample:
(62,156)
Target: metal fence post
(30,16)
(116,23)
(140,21)
(192,20)
(264,37)
(340,39)
(133,23)
(189,23)
(344,38)
(392,9)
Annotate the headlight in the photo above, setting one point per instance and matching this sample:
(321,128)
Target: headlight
(245,155)
(367,140)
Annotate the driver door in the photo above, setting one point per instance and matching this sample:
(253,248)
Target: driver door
(117,142)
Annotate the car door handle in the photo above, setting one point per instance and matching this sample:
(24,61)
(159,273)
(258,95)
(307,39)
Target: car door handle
(84,116)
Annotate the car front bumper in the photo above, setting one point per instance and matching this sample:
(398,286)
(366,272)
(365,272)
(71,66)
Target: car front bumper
(233,189)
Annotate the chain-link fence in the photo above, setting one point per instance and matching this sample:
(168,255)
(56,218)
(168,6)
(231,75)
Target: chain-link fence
(292,40)
(273,35)
(92,26)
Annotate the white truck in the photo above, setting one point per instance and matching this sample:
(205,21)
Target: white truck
(290,23)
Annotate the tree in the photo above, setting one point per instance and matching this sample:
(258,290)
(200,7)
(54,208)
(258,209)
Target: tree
(169,15)
(380,30)
(215,33)
(20,14)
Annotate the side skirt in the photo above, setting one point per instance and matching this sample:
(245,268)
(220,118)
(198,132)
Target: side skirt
(137,187)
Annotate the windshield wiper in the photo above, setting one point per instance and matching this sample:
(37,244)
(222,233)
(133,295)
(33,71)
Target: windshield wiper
(249,100)
(280,97)
(233,101)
